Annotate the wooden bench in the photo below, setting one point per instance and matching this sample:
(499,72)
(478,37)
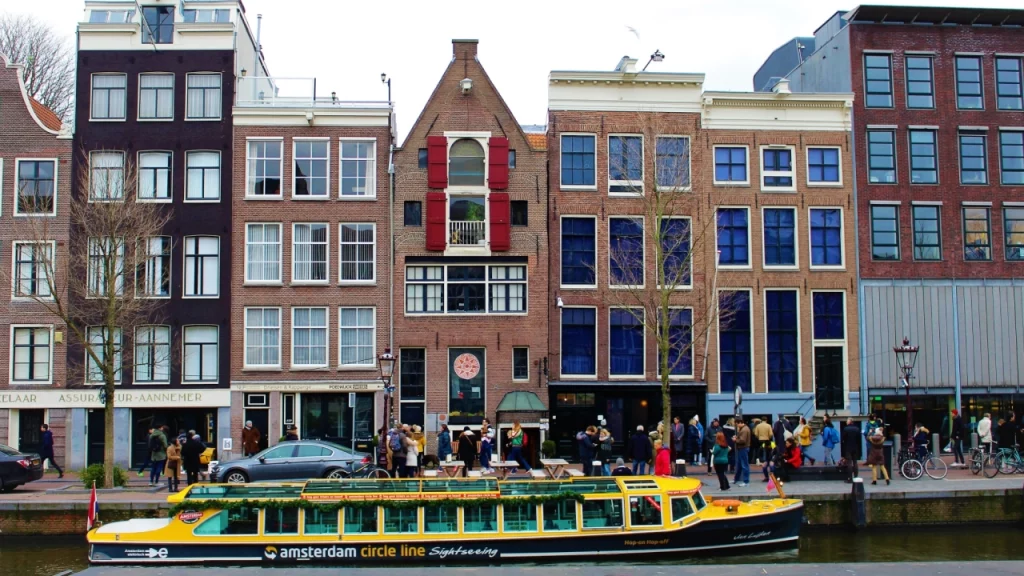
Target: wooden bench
(475,474)
(574,472)
(816,473)
(539,474)
(430,473)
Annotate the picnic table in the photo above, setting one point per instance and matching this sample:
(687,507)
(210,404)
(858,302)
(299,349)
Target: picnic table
(554,467)
(453,468)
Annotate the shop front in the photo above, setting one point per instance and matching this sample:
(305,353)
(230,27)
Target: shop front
(933,409)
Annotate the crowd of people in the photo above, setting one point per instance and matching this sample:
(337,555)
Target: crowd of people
(401,449)
(170,455)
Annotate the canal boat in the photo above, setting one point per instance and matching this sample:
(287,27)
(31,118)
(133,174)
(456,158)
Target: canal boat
(446,521)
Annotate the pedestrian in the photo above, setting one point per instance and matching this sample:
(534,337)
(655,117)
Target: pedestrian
(182,437)
(404,432)
(412,454)
(851,439)
(444,444)
(292,434)
(779,430)
(157,454)
(921,437)
(662,466)
(148,463)
(873,423)
(516,441)
(710,439)
(251,436)
(640,450)
(763,434)
(788,461)
(486,446)
(720,459)
(678,436)
(729,429)
(985,432)
(392,448)
(604,447)
(621,469)
(829,440)
(876,458)
(692,442)
(190,454)
(467,450)
(803,434)
(46,452)
(956,440)
(173,465)
(585,440)
(700,438)
(742,440)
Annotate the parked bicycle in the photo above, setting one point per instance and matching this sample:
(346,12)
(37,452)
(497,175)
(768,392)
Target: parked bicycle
(369,470)
(984,461)
(913,466)
(1010,460)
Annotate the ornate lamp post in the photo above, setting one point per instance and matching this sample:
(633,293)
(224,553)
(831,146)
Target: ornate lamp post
(387,369)
(906,357)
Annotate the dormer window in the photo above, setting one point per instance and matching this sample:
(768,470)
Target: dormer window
(157,24)
(466,165)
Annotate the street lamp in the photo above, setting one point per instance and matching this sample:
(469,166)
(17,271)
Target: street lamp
(658,56)
(906,357)
(385,80)
(387,369)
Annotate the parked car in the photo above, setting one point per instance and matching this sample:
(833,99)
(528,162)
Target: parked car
(17,468)
(299,460)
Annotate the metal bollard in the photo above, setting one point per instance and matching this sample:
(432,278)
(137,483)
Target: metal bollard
(936,448)
(596,468)
(858,512)
(974,440)
(897,447)
(680,470)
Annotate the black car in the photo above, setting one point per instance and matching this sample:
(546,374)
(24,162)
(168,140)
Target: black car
(17,468)
(299,460)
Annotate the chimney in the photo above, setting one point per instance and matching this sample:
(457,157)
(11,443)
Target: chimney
(782,87)
(626,65)
(464,49)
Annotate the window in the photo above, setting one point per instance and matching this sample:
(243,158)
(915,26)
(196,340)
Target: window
(606,513)
(924,165)
(106,176)
(877,81)
(829,316)
(826,237)
(625,164)
(361,520)
(358,252)
(968,83)
(519,517)
(203,181)
(440,520)
(466,163)
(782,341)
(156,96)
(681,508)
(780,237)
(466,289)
(672,162)
(202,266)
(412,377)
(977,237)
(626,251)
(920,90)
(973,159)
(152,354)
(32,263)
(560,516)
(733,243)
(311,168)
(264,168)
(626,342)
(578,251)
(309,337)
(823,166)
(579,340)
(467,368)
(153,275)
(203,98)
(730,165)
(263,253)
(206,15)
(1008,84)
(106,266)
(201,356)
(1013,223)
(108,96)
(309,253)
(521,364)
(154,176)
(157,24)
(110,16)
(357,341)
(422,159)
(645,510)
(37,186)
(777,168)
(99,340)
(680,341)
(1011,158)
(281,521)
(508,288)
(413,213)
(927,238)
(358,169)
(578,161)
(483,518)
(511,159)
(735,360)
(262,337)
(424,290)
(322,523)
(675,248)
(885,232)
(881,156)
(241,521)
(520,212)
(31,354)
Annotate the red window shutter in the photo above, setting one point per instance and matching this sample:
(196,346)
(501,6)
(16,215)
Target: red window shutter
(437,162)
(501,239)
(498,164)
(437,207)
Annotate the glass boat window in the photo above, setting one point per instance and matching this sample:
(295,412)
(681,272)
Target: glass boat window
(244,521)
(640,485)
(318,522)
(281,521)
(243,492)
(560,516)
(595,486)
(520,517)
(483,485)
(698,501)
(440,519)
(681,508)
(361,520)
(399,520)
(370,486)
(477,519)
(645,510)
(602,513)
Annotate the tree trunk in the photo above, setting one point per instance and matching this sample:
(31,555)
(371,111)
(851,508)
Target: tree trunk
(108,435)
(667,439)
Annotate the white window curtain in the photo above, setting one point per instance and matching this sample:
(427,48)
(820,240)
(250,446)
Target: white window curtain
(262,337)
(157,270)
(108,96)
(204,95)
(153,354)
(107,175)
(155,175)
(309,253)
(202,266)
(203,176)
(97,336)
(31,354)
(357,252)
(31,262)
(309,337)
(157,96)
(201,357)
(263,252)
(357,327)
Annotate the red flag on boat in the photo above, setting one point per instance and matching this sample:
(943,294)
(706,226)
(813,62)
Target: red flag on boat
(94,509)
(771,483)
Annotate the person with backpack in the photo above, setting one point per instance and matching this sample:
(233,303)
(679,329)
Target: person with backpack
(829,440)
(397,446)
(158,455)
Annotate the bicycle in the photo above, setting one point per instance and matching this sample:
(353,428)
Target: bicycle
(1010,460)
(369,470)
(913,466)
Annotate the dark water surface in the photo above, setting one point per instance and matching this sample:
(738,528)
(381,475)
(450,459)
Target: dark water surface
(51,555)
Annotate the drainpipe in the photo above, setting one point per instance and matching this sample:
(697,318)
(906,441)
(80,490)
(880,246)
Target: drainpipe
(956,347)
(256,55)
(391,252)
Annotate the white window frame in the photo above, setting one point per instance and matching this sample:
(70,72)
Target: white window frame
(92,167)
(245,338)
(327,255)
(597,351)
(514,348)
(371,362)
(799,337)
(844,343)
(14,269)
(487,282)
(119,286)
(249,176)
(597,254)
(371,174)
(92,96)
(220,111)
(791,174)
(136,355)
(370,281)
(138,112)
(118,352)
(245,256)
(637,185)
(807,165)
(170,177)
(643,250)
(796,239)
(689,163)
(718,335)
(326,160)
(842,239)
(16,195)
(12,380)
(750,245)
(727,183)
(184,356)
(184,268)
(442,282)
(580,187)
(689,229)
(608,334)
(220,173)
(327,338)
(142,253)
(693,362)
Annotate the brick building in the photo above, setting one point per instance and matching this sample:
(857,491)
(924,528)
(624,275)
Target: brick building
(471,249)
(940,199)
(35,176)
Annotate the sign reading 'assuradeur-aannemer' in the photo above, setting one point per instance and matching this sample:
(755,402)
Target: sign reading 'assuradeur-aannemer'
(123,399)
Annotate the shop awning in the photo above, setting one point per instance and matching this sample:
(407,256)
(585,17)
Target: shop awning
(521,402)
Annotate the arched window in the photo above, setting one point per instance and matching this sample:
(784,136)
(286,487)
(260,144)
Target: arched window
(466,167)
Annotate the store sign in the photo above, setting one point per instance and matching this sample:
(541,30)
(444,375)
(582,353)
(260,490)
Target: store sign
(355,386)
(190,398)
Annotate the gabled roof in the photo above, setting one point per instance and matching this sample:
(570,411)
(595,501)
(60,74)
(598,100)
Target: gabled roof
(538,140)
(48,117)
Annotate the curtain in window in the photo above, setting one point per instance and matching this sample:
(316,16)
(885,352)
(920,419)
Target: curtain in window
(310,252)
(204,95)
(262,335)
(202,267)
(203,176)
(626,342)
(158,96)
(578,354)
(152,354)
(357,336)
(263,246)
(108,96)
(310,337)
(154,175)
(200,353)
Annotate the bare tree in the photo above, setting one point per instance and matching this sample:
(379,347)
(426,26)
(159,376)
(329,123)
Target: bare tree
(107,289)
(48,59)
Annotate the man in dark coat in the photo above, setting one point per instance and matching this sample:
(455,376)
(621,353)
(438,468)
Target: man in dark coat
(190,454)
(588,449)
(467,450)
(46,452)
(640,450)
(850,442)
(779,430)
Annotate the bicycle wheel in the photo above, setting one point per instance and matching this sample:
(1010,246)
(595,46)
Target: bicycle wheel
(1007,464)
(911,470)
(976,459)
(990,466)
(935,468)
(380,474)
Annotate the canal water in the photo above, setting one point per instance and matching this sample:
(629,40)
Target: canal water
(48,556)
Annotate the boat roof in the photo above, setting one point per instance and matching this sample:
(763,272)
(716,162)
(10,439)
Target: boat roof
(435,488)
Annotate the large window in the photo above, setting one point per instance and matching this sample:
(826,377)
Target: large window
(152,354)
(153,275)
(106,176)
(309,337)
(927,235)
(968,83)
(424,289)
(105,269)
(310,176)
(675,248)
(507,289)
(358,252)
(241,521)
(1013,224)
(605,513)
(826,237)
(318,522)
(203,182)
(625,164)
(465,289)
(440,520)
(357,340)
(885,232)
(99,341)
(264,159)
(973,159)
(37,186)
(156,96)
(1008,84)
(412,374)
(521,364)
(519,517)
(829,316)
(358,168)
(924,160)
(578,251)
(560,516)
(361,520)
(157,24)
(483,518)
(626,251)
(202,266)
(920,87)
(281,521)
(200,350)
(735,360)
(32,264)
(578,161)
(154,176)
(31,354)
(309,253)
(733,239)
(881,156)
(731,165)
(977,233)
(823,166)
(204,97)
(680,342)
(466,163)
(672,165)
(878,81)
(626,342)
(1011,158)
(780,237)
(777,171)
(263,253)
(579,341)
(782,341)
(108,96)
(262,337)
(467,370)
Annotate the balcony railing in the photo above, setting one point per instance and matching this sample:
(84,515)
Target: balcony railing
(467,233)
(265,91)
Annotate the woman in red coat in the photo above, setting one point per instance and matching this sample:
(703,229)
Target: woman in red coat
(662,464)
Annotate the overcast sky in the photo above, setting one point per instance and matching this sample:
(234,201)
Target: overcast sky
(346,44)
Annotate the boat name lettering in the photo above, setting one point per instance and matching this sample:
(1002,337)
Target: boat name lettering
(751,536)
(307,552)
(443,553)
(660,542)
(190,516)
